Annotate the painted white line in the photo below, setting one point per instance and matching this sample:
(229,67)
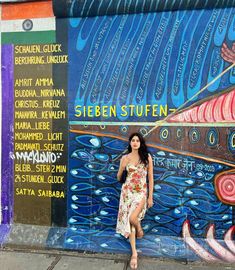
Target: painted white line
(41,24)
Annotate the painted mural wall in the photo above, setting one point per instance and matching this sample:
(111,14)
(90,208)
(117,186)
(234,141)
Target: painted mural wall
(76,86)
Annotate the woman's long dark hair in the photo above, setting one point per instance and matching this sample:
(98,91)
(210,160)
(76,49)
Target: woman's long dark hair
(143,150)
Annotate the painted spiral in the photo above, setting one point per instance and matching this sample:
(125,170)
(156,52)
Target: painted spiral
(225,188)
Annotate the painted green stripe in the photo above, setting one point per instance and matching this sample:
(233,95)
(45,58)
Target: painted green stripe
(39,37)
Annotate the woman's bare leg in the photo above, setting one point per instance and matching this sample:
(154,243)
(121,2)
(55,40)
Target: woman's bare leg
(133,261)
(132,240)
(135,221)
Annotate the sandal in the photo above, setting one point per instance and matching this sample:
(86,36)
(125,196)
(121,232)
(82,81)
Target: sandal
(133,262)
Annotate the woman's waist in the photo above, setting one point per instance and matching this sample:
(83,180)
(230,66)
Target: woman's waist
(134,181)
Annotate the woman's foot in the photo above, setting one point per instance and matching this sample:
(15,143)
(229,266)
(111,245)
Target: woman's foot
(134,261)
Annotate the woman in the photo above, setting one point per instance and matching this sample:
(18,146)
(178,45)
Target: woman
(134,196)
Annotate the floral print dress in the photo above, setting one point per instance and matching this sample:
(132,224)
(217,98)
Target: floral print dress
(134,190)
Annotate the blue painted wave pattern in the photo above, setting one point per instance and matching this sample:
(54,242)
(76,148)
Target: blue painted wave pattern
(183,189)
(155,58)
(76,8)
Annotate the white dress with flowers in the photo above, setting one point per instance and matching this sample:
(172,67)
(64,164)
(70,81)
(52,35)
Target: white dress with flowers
(134,190)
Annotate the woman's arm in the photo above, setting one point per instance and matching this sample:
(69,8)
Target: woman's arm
(122,166)
(151,181)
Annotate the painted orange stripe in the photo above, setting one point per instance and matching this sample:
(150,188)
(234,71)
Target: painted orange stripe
(41,9)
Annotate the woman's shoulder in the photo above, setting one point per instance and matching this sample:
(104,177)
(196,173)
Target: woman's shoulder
(125,157)
(124,160)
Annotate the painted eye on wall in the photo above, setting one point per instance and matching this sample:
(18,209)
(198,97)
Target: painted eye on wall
(231,141)
(164,134)
(194,135)
(212,137)
(179,134)
(27,25)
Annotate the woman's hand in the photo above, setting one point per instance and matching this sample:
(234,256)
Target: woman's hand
(150,202)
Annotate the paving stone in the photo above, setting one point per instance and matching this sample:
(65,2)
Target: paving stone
(67,263)
(24,261)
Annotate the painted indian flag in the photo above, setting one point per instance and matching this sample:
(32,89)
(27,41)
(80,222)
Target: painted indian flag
(28,23)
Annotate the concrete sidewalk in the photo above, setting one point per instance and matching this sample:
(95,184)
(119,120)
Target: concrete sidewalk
(12,259)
